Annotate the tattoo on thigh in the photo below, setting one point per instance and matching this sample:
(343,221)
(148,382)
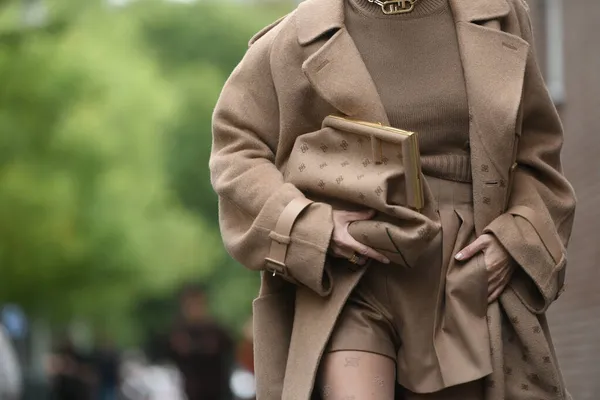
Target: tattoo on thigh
(352,362)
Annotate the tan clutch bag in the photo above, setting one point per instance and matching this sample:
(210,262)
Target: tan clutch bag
(356,165)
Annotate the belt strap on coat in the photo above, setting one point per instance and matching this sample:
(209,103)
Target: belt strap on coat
(280,236)
(551,241)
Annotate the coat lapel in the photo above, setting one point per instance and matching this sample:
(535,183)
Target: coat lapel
(336,70)
(494,67)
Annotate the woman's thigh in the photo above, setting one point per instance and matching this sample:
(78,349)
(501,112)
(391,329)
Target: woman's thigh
(356,375)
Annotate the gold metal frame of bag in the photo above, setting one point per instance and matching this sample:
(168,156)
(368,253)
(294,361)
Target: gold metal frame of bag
(378,134)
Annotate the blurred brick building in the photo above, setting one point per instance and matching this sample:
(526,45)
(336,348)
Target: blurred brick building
(568,45)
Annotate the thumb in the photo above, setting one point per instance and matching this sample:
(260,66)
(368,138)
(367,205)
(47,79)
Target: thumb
(352,216)
(478,245)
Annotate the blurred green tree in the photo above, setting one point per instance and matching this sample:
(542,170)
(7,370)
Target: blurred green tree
(197,46)
(88,222)
(105,197)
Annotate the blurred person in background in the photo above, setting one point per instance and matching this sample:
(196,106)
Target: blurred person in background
(200,347)
(71,372)
(11,383)
(243,382)
(153,377)
(107,362)
(245,348)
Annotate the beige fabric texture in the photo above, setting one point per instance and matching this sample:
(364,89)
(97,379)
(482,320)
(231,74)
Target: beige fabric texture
(336,165)
(306,67)
(437,105)
(394,310)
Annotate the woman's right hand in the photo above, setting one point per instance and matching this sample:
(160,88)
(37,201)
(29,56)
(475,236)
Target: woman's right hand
(343,245)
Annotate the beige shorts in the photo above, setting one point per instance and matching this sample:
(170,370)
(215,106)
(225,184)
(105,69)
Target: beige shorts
(422,315)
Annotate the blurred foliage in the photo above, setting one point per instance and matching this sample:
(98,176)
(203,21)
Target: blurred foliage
(105,198)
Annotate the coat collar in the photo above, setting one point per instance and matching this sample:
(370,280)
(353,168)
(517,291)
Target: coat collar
(318,17)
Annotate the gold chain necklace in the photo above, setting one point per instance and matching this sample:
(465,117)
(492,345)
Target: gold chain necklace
(391,7)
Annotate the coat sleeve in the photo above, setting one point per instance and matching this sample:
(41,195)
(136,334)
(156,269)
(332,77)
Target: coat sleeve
(251,190)
(537,226)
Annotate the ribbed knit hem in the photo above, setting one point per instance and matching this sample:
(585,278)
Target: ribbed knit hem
(451,167)
(422,8)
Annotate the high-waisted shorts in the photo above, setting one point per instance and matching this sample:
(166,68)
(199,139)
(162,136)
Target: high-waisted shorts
(429,319)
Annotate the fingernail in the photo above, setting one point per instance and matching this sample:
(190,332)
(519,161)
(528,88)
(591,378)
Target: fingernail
(459,256)
(386,261)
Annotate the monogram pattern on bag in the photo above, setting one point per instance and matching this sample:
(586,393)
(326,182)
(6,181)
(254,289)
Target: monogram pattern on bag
(547,360)
(305,161)
(535,378)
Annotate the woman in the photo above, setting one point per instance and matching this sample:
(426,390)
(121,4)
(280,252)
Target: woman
(468,321)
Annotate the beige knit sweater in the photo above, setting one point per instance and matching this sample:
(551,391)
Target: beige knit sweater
(414,61)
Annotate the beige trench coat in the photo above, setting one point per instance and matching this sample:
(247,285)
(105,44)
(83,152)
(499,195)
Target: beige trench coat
(305,67)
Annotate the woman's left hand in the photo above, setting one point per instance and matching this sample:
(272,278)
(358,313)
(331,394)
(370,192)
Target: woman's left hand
(499,264)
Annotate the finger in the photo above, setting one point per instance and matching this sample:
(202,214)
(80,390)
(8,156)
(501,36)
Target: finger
(495,274)
(493,288)
(478,245)
(499,283)
(494,296)
(497,291)
(340,252)
(366,251)
(350,216)
(499,272)
(362,260)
